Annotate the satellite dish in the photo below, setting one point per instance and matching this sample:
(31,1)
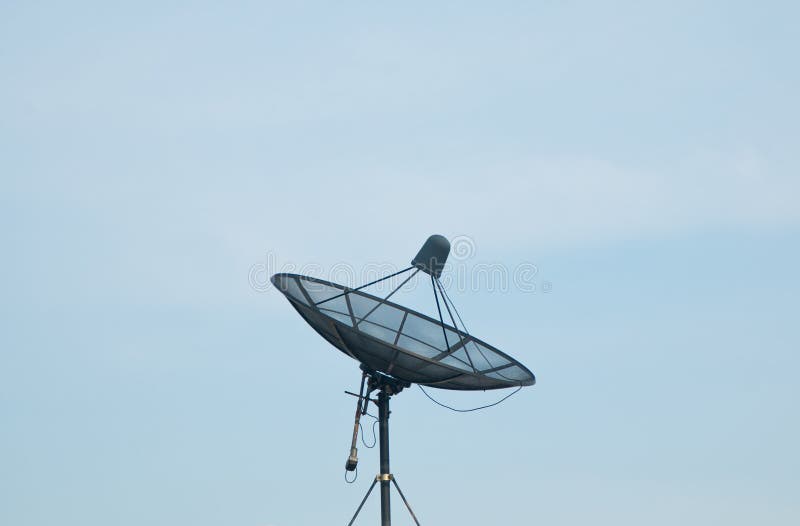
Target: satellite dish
(397,346)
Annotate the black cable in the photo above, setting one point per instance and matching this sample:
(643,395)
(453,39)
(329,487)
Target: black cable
(355,477)
(474,408)
(374,434)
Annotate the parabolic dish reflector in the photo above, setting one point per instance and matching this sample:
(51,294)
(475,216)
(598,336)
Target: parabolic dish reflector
(398,341)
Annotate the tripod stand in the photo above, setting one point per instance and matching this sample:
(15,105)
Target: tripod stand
(386,387)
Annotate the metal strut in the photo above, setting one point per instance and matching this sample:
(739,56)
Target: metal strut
(348,291)
(435,282)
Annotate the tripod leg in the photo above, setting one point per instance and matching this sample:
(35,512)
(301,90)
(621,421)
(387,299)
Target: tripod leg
(363,501)
(405,501)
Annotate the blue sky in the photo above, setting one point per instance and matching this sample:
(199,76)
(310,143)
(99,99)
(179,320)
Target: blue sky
(643,155)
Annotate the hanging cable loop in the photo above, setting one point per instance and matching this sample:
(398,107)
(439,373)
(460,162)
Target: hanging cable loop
(432,399)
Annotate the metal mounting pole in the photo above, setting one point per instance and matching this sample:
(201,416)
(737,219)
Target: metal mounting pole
(386,387)
(385,473)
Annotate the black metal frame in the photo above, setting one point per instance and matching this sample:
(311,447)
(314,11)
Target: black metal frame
(465,338)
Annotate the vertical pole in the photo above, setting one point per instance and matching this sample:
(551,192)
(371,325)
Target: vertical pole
(383,417)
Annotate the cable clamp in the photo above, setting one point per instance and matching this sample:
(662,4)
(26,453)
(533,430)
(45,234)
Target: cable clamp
(384,477)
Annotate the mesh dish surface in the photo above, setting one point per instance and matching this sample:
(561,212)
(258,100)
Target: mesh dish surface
(398,341)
